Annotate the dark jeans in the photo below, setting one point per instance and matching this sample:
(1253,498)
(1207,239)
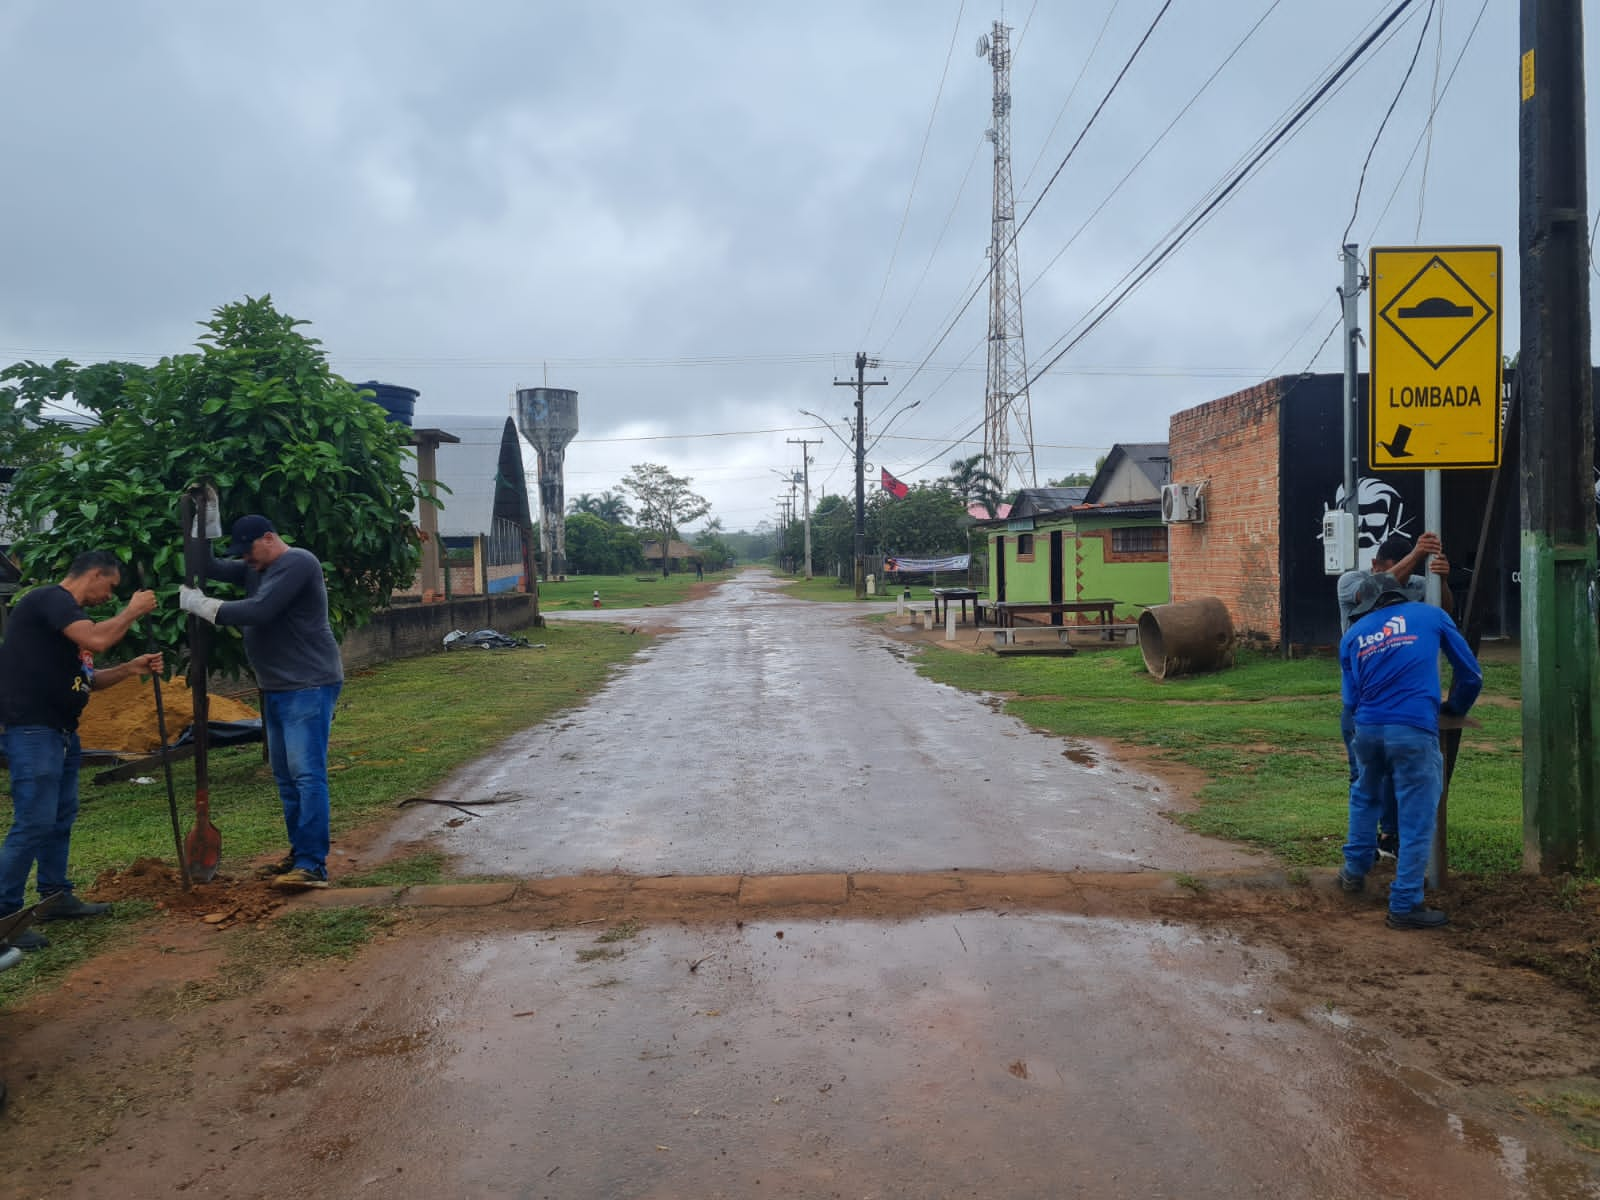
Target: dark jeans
(297,726)
(1388,821)
(1409,762)
(44,804)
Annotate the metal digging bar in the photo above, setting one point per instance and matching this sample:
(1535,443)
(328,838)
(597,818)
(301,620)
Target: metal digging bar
(203,847)
(166,762)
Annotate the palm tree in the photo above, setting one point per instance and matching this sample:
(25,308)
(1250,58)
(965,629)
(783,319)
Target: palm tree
(972,484)
(613,507)
(584,503)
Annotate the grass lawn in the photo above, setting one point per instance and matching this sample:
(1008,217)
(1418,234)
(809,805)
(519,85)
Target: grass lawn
(828,588)
(400,728)
(642,590)
(1266,734)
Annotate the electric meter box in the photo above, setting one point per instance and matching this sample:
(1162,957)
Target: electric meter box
(1338,541)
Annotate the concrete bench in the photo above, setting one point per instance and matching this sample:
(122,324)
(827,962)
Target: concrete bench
(1011,635)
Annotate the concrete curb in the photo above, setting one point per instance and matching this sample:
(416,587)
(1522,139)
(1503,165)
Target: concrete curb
(872,894)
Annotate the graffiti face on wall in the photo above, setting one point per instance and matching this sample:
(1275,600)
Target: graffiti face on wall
(1381,513)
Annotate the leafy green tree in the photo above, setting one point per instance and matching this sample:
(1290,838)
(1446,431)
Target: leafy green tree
(714,550)
(258,413)
(597,547)
(664,503)
(925,522)
(973,485)
(833,532)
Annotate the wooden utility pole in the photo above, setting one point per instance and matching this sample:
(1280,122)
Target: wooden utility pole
(1560,657)
(861,383)
(805,476)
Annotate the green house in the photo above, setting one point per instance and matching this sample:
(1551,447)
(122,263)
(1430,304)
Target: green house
(1106,541)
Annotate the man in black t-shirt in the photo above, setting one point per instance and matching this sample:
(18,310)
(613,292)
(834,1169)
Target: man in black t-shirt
(46,673)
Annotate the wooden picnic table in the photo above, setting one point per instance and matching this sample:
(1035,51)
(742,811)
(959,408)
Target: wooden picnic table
(943,597)
(1005,612)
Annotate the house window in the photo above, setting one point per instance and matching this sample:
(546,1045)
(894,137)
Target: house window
(1139,539)
(1024,547)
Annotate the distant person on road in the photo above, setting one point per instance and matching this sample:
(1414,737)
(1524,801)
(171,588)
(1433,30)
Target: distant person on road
(292,651)
(1389,664)
(46,674)
(1399,560)
(699,569)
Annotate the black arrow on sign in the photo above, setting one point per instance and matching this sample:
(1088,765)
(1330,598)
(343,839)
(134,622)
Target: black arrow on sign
(1397,448)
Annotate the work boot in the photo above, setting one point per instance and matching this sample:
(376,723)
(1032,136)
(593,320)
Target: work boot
(68,907)
(29,939)
(1349,882)
(299,880)
(273,869)
(1420,917)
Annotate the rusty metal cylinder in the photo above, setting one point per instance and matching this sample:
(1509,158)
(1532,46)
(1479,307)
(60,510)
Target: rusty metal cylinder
(1187,638)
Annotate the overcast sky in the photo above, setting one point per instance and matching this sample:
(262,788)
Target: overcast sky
(692,212)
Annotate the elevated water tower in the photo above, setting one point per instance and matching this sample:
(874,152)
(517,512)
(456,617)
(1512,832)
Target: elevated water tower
(548,418)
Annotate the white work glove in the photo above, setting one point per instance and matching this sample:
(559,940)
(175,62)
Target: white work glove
(193,600)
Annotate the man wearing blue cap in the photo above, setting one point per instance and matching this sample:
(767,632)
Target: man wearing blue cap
(1389,660)
(291,647)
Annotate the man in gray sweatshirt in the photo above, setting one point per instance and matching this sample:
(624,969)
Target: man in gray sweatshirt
(291,647)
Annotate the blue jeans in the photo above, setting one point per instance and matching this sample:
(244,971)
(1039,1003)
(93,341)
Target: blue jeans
(1408,760)
(44,804)
(297,726)
(1387,820)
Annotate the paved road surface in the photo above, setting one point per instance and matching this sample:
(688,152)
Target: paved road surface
(776,735)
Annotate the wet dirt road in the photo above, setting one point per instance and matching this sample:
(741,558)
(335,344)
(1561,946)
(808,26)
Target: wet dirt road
(774,735)
(600,1037)
(971,1055)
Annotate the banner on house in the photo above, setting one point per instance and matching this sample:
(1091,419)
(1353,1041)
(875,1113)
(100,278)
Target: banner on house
(893,486)
(954,562)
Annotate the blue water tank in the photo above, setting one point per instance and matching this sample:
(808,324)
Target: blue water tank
(400,403)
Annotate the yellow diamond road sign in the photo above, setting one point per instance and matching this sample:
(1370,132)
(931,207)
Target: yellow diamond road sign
(1435,365)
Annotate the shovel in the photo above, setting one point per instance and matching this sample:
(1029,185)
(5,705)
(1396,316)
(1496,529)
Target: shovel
(203,847)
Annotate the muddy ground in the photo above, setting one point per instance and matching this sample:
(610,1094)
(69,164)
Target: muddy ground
(1340,1057)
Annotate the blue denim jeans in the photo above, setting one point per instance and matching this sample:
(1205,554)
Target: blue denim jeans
(1408,759)
(44,804)
(297,726)
(1386,814)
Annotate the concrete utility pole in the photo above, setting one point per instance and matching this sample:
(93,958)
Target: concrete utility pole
(805,476)
(861,383)
(1560,657)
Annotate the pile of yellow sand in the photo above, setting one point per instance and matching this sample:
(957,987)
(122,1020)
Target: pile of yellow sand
(123,717)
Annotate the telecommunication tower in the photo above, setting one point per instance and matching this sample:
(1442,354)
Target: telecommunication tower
(1007,417)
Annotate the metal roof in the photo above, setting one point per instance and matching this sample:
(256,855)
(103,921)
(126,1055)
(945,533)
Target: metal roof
(484,473)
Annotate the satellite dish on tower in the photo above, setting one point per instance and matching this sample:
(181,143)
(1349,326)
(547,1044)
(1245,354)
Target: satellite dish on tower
(983,45)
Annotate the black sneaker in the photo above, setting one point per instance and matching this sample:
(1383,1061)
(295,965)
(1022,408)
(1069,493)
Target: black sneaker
(273,869)
(1389,843)
(1420,917)
(29,939)
(68,907)
(1351,883)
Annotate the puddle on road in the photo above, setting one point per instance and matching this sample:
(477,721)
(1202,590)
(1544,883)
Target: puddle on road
(1081,755)
(965,1054)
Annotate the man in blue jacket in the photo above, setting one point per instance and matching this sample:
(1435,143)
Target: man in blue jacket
(1389,658)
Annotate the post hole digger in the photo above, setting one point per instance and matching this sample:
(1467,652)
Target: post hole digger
(202,849)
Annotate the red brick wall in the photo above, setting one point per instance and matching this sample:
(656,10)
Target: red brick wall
(1231,446)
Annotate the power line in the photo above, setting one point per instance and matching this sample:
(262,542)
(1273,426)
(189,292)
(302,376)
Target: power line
(1383,124)
(1227,190)
(1073,91)
(1034,207)
(916,174)
(1433,108)
(1232,54)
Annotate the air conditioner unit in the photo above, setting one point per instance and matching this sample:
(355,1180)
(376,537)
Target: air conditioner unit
(1182,502)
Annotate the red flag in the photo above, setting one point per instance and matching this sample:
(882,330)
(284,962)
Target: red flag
(893,486)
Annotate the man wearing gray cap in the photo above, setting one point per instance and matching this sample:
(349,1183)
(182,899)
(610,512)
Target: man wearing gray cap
(1399,560)
(292,651)
(1389,662)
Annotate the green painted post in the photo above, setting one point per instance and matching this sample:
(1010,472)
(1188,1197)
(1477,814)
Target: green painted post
(1560,654)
